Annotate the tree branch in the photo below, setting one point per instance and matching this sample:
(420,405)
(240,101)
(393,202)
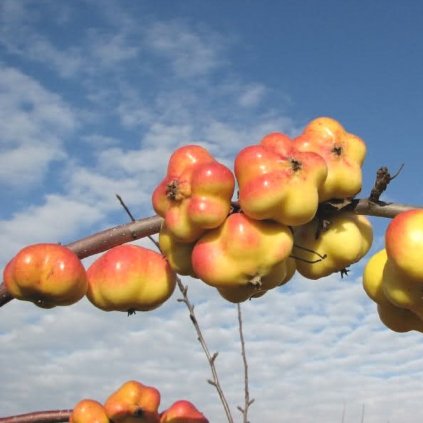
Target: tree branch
(104,240)
(53,416)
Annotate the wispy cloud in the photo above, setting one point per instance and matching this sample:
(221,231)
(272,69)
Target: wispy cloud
(33,121)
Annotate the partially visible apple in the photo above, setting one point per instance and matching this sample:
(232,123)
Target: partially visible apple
(401,291)
(404,243)
(177,253)
(133,402)
(46,274)
(88,411)
(373,277)
(343,152)
(182,411)
(345,241)
(399,319)
(130,278)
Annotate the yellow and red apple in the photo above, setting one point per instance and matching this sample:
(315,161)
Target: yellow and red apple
(46,274)
(133,402)
(130,278)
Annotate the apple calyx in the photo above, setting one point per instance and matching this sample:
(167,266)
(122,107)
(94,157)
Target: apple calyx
(337,150)
(173,191)
(295,164)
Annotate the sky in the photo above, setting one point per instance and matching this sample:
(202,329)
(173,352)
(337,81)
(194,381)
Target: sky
(94,98)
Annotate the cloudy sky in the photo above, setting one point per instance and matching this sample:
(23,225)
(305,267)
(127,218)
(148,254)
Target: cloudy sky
(94,97)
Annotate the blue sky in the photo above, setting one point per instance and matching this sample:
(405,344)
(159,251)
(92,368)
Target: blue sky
(94,97)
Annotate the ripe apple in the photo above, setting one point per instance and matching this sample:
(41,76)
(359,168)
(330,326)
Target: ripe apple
(130,278)
(279,182)
(343,152)
(242,251)
(346,240)
(133,402)
(88,411)
(46,274)
(404,243)
(182,411)
(196,193)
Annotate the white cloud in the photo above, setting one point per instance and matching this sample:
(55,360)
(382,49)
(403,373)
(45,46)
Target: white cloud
(190,52)
(32,123)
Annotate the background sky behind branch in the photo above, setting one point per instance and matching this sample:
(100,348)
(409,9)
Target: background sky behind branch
(94,97)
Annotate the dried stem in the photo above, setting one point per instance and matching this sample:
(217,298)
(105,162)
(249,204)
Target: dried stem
(53,416)
(210,357)
(247,400)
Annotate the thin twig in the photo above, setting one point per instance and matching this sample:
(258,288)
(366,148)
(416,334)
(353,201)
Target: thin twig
(185,299)
(247,401)
(210,357)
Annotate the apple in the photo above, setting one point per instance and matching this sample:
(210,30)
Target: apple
(279,182)
(182,411)
(243,251)
(404,243)
(130,278)
(133,402)
(196,193)
(46,274)
(343,152)
(345,241)
(88,411)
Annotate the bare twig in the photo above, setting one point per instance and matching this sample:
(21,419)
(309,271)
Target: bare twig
(247,400)
(210,357)
(53,416)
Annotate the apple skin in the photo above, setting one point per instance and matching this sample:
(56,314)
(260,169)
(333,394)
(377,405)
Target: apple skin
(404,243)
(242,251)
(401,291)
(279,182)
(182,411)
(343,152)
(88,411)
(177,253)
(130,278)
(399,319)
(373,277)
(133,402)
(347,239)
(46,274)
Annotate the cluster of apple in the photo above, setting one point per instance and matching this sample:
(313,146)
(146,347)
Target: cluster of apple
(242,248)
(393,277)
(247,247)
(135,402)
(125,278)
